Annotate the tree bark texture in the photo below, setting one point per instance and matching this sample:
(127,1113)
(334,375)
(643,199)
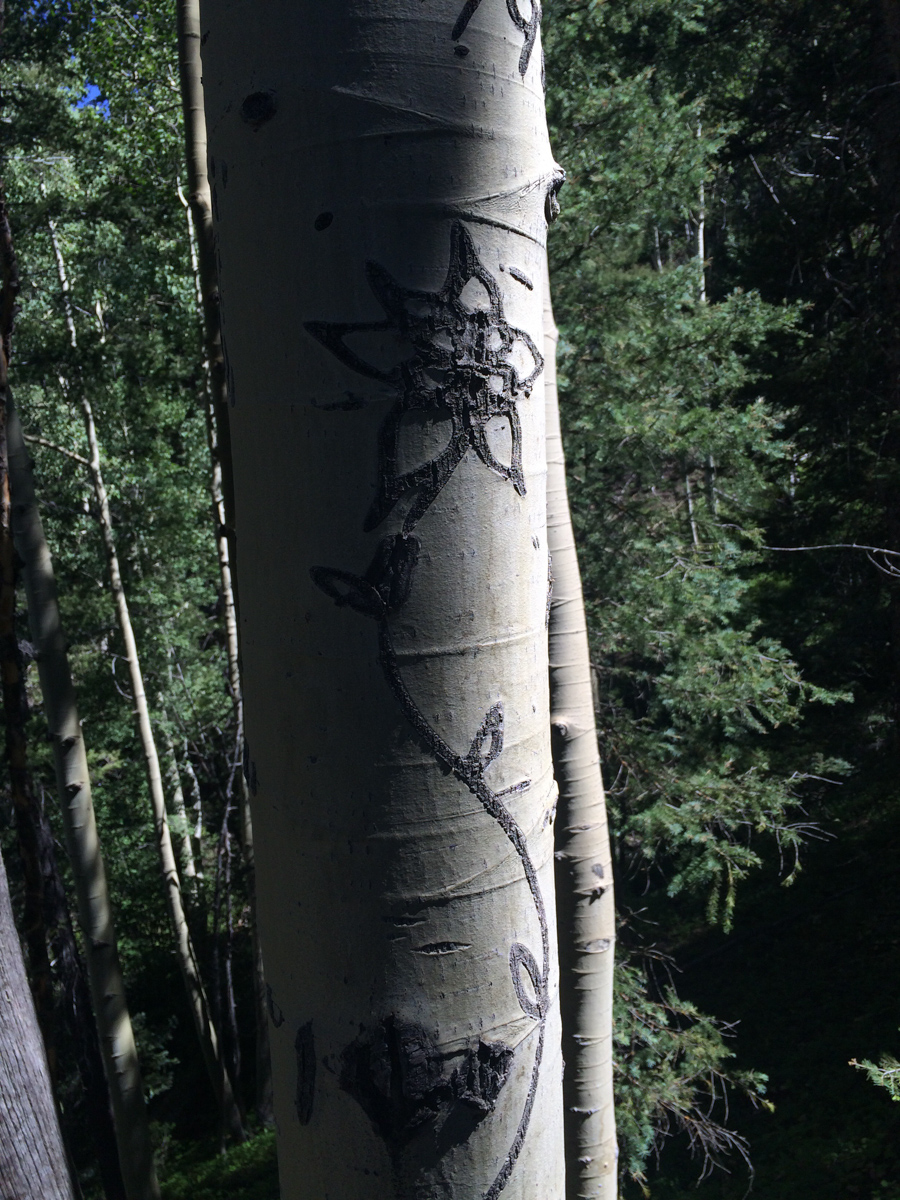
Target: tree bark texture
(33,1162)
(222,484)
(381,176)
(179,823)
(82,840)
(586,911)
(26,810)
(78,1014)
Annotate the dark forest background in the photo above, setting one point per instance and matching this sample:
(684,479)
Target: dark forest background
(726,274)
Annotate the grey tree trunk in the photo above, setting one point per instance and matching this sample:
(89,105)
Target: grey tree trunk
(380,176)
(586,910)
(179,824)
(82,842)
(221,484)
(33,1162)
(187,959)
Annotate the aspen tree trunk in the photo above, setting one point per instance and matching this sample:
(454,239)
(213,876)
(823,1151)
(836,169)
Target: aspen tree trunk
(584,882)
(179,812)
(380,176)
(197,831)
(25,810)
(82,842)
(33,1162)
(221,484)
(187,959)
(78,1015)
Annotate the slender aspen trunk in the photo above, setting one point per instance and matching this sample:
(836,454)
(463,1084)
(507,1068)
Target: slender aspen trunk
(33,1162)
(108,1047)
(584,882)
(187,960)
(221,484)
(82,841)
(78,1014)
(692,516)
(180,823)
(381,178)
(197,831)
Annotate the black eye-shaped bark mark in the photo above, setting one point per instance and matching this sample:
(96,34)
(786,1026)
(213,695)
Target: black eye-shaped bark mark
(410,1089)
(460,365)
(258,108)
(551,200)
(528,25)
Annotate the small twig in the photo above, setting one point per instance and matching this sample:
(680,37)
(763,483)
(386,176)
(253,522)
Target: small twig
(39,441)
(887,567)
(771,190)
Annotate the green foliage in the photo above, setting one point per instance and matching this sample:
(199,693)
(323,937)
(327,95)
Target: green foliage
(199,1172)
(885,1073)
(672,1074)
(679,440)
(711,411)
(670,440)
(105,174)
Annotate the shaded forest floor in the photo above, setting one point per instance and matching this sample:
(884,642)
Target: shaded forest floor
(811,973)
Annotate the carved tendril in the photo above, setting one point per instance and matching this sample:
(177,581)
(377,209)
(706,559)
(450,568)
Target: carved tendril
(459,363)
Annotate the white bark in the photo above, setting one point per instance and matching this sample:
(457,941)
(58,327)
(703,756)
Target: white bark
(380,181)
(73,781)
(179,824)
(33,1162)
(587,919)
(221,488)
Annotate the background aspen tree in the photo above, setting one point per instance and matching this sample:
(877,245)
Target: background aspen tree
(221,486)
(381,179)
(107,990)
(587,916)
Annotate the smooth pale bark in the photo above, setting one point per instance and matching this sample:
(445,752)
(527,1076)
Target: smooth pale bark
(82,841)
(221,483)
(179,823)
(380,179)
(32,1159)
(197,831)
(586,910)
(187,959)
